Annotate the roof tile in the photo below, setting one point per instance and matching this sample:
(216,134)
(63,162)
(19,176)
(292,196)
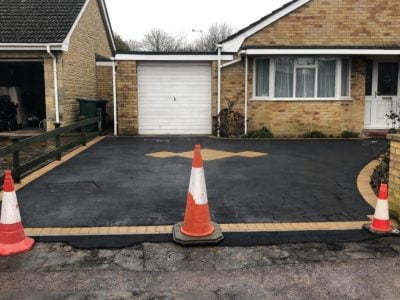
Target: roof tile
(37,21)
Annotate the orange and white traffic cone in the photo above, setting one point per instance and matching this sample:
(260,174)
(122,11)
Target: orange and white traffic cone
(12,236)
(381,221)
(197,227)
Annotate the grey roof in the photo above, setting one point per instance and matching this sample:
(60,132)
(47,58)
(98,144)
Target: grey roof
(37,21)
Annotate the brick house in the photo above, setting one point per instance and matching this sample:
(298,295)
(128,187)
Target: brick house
(48,43)
(310,65)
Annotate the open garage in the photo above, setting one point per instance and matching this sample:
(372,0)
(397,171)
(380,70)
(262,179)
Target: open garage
(22,94)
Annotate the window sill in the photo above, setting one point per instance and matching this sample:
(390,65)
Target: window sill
(299,99)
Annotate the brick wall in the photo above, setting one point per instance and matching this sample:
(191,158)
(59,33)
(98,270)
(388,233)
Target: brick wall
(127,98)
(105,88)
(79,63)
(320,22)
(394,176)
(293,118)
(335,22)
(49,89)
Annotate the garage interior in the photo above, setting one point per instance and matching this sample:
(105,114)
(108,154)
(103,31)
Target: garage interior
(22,95)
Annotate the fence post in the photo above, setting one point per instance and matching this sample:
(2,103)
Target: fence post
(16,162)
(58,141)
(99,123)
(83,131)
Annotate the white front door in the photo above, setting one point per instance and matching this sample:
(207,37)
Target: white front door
(174,98)
(382,92)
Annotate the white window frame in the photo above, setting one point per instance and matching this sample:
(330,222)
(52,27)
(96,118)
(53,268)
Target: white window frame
(271,80)
(297,66)
(271,97)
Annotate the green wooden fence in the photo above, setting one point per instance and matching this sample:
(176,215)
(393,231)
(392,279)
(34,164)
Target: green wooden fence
(19,170)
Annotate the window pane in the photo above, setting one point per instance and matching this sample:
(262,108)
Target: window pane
(284,77)
(326,78)
(388,74)
(305,82)
(345,77)
(305,61)
(368,79)
(262,77)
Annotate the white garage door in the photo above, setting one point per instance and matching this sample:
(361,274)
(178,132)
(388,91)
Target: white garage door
(174,97)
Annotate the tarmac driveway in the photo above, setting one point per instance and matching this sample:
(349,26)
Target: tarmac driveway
(116,183)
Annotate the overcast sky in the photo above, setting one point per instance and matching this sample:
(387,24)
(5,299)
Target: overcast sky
(132,18)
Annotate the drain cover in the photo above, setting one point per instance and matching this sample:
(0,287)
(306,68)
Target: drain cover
(82,186)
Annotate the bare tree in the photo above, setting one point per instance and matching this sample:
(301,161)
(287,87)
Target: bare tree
(161,41)
(215,34)
(135,45)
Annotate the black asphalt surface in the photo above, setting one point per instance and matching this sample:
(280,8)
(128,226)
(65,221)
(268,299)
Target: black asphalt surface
(115,184)
(231,239)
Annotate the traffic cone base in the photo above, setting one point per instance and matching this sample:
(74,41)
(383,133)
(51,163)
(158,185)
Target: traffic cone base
(20,247)
(371,230)
(381,225)
(214,238)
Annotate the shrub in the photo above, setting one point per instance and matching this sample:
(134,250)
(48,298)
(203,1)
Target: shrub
(314,135)
(381,172)
(349,134)
(262,133)
(231,122)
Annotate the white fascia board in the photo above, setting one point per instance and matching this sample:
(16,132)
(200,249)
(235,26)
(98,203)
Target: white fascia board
(105,63)
(30,47)
(21,59)
(322,52)
(172,57)
(71,31)
(234,44)
(108,24)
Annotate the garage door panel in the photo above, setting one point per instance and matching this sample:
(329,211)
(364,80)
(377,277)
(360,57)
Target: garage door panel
(174,97)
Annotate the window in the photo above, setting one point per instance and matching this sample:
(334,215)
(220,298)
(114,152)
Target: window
(284,77)
(345,89)
(262,77)
(305,77)
(302,77)
(388,75)
(326,77)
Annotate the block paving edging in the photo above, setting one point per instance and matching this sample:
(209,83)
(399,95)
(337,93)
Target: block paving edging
(167,229)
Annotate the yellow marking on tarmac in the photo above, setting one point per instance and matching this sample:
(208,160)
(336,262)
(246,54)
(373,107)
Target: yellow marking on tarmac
(167,229)
(250,154)
(207,154)
(363,183)
(162,154)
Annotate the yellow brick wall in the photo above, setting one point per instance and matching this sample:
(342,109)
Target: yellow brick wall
(79,64)
(105,88)
(394,177)
(335,22)
(127,98)
(293,118)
